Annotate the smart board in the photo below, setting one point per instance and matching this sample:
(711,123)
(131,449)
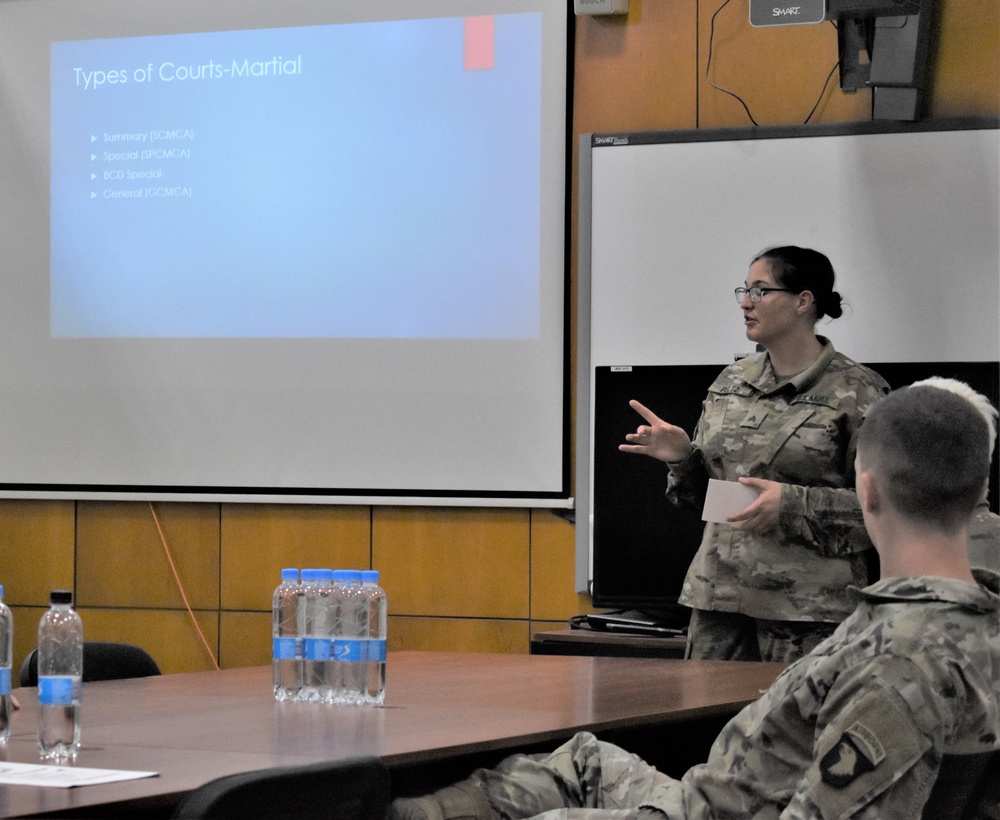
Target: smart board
(907,213)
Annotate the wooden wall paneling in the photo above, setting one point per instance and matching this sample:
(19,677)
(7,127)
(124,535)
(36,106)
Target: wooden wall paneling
(244,639)
(455,562)
(26,620)
(965,59)
(36,549)
(456,635)
(121,561)
(778,71)
(36,556)
(258,540)
(167,634)
(553,593)
(636,72)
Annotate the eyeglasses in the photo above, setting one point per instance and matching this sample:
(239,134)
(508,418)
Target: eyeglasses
(756,293)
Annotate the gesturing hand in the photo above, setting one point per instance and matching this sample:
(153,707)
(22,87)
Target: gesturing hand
(656,438)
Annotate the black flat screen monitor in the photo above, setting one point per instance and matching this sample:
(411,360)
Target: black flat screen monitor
(642,543)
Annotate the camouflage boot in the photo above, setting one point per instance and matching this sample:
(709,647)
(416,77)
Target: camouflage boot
(463,801)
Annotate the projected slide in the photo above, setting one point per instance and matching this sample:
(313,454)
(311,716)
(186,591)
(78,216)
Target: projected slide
(301,182)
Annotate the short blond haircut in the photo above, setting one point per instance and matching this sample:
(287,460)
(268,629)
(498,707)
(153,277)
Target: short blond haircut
(979,401)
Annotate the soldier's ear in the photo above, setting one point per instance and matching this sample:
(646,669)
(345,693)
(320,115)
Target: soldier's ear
(869,492)
(806,300)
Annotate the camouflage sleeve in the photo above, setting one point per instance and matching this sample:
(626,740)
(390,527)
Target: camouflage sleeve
(687,484)
(877,747)
(826,519)
(688,481)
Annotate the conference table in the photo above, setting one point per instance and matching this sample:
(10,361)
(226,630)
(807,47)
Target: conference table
(444,714)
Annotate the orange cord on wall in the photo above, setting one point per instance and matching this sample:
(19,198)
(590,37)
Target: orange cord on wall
(180,586)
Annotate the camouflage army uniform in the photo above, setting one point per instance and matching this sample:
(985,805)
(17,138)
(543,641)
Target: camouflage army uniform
(984,538)
(800,432)
(855,729)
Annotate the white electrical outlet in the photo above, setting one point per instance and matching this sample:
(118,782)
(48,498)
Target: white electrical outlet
(600,6)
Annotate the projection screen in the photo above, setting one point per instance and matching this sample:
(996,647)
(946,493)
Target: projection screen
(306,250)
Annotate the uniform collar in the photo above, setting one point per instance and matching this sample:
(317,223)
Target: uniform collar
(985,597)
(760,374)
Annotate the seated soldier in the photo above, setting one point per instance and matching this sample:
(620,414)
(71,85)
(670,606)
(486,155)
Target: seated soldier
(856,728)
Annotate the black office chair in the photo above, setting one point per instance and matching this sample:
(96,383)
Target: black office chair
(102,660)
(352,789)
(966,785)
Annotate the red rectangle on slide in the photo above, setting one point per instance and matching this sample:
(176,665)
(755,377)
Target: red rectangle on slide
(479,43)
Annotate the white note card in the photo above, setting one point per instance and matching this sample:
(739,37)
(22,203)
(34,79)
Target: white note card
(725,498)
(62,777)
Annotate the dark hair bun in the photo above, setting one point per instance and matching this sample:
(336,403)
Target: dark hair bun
(832,306)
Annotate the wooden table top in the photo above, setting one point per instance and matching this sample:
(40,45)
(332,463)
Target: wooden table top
(440,706)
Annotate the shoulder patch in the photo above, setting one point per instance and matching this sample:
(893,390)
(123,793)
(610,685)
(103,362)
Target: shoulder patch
(859,750)
(872,743)
(843,763)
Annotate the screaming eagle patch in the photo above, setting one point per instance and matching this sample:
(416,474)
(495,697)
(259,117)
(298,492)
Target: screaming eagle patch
(873,742)
(858,751)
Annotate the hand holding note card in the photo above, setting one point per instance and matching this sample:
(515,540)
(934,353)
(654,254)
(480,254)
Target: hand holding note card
(725,498)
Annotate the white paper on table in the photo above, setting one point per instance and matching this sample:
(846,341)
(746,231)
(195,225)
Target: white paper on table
(62,777)
(725,498)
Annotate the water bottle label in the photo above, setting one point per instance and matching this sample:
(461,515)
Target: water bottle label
(376,650)
(61,691)
(5,680)
(284,649)
(317,649)
(345,649)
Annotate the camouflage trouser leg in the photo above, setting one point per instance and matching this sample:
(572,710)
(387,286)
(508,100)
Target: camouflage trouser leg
(730,636)
(583,773)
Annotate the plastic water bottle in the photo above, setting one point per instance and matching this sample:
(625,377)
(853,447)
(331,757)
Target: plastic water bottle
(306,580)
(6,661)
(310,684)
(378,614)
(317,644)
(326,614)
(60,673)
(350,644)
(287,641)
(338,600)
